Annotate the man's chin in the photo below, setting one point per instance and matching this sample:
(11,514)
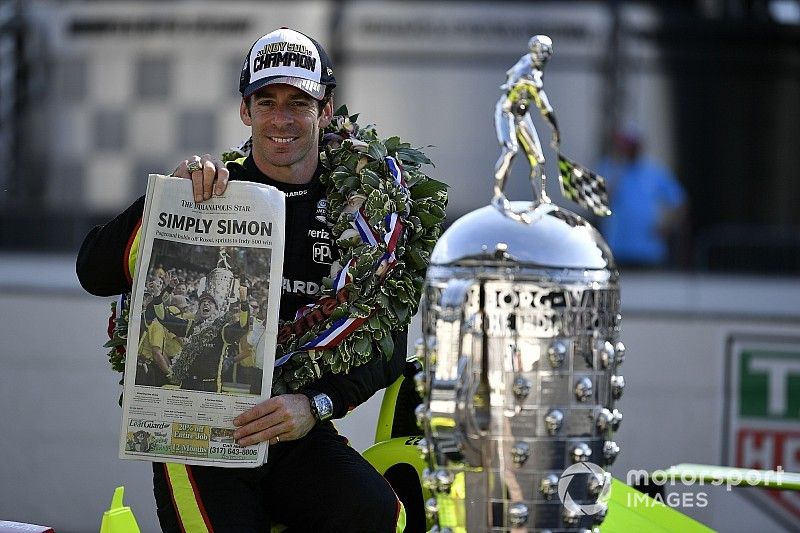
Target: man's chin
(282,158)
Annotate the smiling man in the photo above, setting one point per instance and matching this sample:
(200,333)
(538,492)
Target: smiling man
(285,123)
(313,480)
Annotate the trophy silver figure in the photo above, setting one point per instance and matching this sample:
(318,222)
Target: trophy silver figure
(524,86)
(521,323)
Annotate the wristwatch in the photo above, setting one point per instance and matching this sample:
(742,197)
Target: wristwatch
(321,405)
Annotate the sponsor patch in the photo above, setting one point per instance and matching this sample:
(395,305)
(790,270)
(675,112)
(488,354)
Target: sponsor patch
(319,234)
(322,253)
(295,286)
(322,210)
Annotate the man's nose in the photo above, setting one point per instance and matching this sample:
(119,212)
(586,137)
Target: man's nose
(282,116)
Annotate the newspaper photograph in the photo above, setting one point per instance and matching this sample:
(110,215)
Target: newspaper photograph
(203,322)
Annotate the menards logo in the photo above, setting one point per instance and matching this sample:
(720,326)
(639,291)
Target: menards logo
(763,414)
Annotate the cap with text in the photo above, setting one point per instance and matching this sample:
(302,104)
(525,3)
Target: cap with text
(290,57)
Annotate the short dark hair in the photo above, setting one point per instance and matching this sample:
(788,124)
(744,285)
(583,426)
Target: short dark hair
(327,98)
(320,103)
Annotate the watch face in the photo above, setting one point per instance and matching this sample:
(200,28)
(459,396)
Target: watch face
(324,406)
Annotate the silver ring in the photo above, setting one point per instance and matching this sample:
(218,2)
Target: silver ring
(194,166)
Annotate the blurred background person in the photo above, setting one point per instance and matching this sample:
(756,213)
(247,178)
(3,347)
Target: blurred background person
(648,203)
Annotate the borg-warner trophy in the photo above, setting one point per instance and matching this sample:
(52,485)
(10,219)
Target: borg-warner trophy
(521,323)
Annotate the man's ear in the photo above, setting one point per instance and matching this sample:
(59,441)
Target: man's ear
(244,113)
(326,114)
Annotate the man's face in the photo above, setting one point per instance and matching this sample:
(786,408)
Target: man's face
(180,289)
(285,124)
(206,309)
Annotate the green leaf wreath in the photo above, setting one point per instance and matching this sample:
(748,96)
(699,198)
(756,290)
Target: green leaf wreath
(195,343)
(356,170)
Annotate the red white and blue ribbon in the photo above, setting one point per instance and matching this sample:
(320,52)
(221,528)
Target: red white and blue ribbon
(365,231)
(393,225)
(394,228)
(342,278)
(393,221)
(335,334)
(395,170)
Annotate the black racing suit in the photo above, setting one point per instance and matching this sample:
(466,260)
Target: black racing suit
(317,483)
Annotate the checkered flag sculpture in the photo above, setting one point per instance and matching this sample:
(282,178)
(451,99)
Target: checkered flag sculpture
(583,186)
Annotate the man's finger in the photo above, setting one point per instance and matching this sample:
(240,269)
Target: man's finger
(220,181)
(268,434)
(258,425)
(196,176)
(182,170)
(222,178)
(209,174)
(257,411)
(287,415)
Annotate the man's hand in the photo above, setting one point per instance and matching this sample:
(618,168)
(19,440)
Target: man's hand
(210,178)
(281,418)
(161,360)
(171,280)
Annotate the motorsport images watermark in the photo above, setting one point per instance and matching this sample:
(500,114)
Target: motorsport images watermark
(598,476)
(601,481)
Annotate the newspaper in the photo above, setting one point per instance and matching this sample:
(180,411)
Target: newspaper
(203,322)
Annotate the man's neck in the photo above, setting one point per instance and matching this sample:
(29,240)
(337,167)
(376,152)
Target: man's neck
(299,173)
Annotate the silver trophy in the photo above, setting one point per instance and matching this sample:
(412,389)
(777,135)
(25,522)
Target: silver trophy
(221,283)
(520,323)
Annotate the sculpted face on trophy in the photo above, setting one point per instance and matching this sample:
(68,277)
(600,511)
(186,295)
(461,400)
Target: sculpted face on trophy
(541,47)
(521,323)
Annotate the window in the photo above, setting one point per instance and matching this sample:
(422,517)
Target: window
(153,78)
(197,131)
(110,129)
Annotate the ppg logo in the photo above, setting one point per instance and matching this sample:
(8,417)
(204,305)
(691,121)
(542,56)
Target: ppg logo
(322,253)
